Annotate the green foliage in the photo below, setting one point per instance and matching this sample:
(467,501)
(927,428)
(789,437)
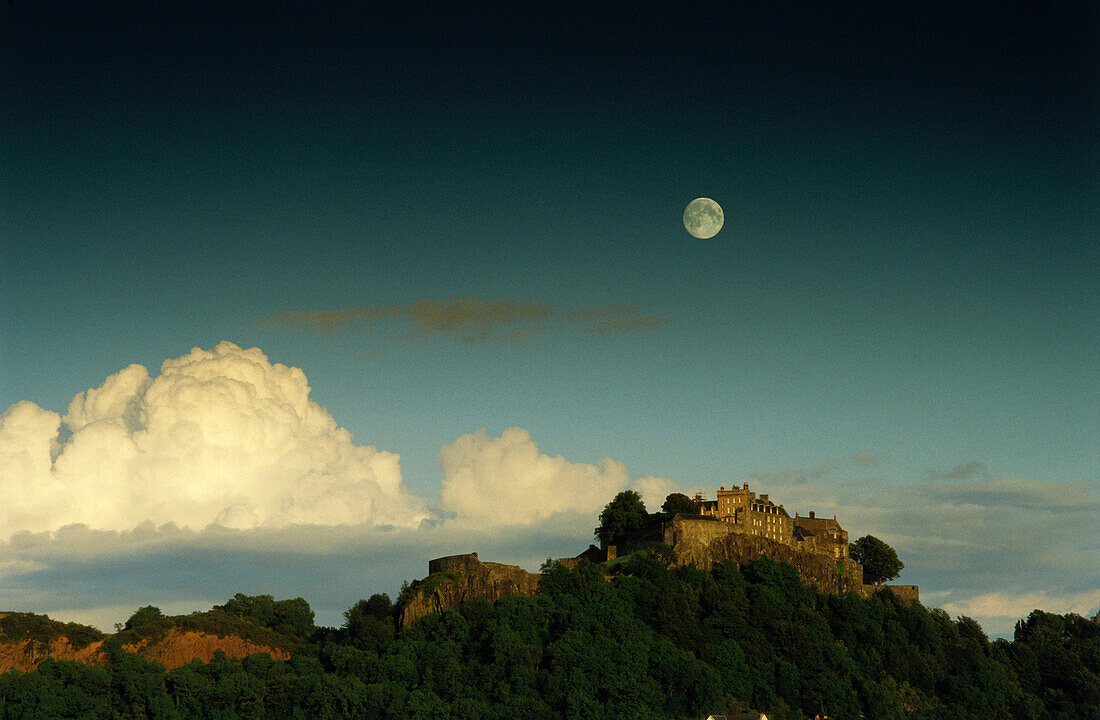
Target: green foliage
(426,585)
(625,514)
(293,618)
(369,624)
(648,640)
(42,630)
(150,624)
(880,562)
(143,616)
(679,503)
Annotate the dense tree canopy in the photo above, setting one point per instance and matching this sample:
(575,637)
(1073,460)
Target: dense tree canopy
(623,515)
(636,638)
(650,640)
(368,624)
(679,503)
(880,562)
(143,616)
(290,617)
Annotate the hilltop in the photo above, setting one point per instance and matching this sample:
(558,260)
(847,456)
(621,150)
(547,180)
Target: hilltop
(720,621)
(243,626)
(739,527)
(633,637)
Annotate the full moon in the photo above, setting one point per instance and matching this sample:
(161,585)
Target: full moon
(703,218)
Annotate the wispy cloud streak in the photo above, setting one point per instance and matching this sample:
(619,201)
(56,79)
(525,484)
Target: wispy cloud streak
(476,319)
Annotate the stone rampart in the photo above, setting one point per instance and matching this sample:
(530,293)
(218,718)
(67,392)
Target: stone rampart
(698,530)
(906,593)
(456,578)
(704,542)
(698,540)
(464,562)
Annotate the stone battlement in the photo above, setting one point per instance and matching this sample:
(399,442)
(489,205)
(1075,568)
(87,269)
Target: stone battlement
(453,579)
(906,593)
(462,563)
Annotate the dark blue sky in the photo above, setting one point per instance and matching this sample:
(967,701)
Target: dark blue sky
(908,268)
(908,190)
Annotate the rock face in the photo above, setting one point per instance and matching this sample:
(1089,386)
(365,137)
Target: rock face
(176,648)
(179,647)
(25,655)
(456,578)
(713,544)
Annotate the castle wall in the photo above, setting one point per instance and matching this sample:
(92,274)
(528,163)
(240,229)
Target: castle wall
(698,531)
(768,520)
(808,544)
(473,579)
(739,527)
(464,562)
(832,539)
(906,593)
(706,542)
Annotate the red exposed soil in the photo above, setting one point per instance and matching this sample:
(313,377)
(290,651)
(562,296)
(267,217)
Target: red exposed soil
(176,648)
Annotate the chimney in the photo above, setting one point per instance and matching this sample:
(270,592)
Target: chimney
(745,486)
(764,497)
(811,514)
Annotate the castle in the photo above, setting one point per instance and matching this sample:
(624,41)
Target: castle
(742,524)
(739,511)
(738,526)
(751,514)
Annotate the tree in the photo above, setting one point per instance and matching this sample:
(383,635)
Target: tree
(368,624)
(144,616)
(679,503)
(289,617)
(880,562)
(623,515)
(260,609)
(293,617)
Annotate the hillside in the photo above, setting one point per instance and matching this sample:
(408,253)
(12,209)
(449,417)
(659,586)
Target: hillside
(638,637)
(456,579)
(26,639)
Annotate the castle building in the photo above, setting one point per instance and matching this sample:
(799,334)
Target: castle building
(830,537)
(758,515)
(755,515)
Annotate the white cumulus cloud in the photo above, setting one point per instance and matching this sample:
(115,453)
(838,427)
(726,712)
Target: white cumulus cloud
(221,436)
(506,481)
(1008,607)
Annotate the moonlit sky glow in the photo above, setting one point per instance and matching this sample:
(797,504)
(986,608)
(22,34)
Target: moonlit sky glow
(294,297)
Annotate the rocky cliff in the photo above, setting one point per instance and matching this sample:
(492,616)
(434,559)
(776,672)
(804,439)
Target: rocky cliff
(454,579)
(26,640)
(176,648)
(25,655)
(818,571)
(179,647)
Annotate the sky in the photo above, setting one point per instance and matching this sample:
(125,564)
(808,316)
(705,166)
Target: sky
(296,296)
